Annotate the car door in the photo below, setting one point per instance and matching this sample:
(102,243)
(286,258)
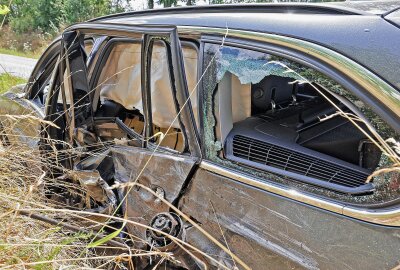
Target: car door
(265,222)
(164,168)
(137,95)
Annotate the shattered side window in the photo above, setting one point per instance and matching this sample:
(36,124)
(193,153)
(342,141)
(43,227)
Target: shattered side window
(249,66)
(275,118)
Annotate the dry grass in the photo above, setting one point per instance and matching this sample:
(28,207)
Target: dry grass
(24,240)
(28,243)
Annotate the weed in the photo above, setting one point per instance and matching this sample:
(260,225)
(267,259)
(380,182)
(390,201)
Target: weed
(7,81)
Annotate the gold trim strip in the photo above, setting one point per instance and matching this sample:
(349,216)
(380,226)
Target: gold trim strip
(389,217)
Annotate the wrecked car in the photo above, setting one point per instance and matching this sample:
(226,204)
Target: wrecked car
(264,136)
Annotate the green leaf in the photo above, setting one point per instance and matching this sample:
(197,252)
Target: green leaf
(4,10)
(106,238)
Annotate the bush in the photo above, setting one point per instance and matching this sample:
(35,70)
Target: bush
(30,44)
(7,81)
(46,16)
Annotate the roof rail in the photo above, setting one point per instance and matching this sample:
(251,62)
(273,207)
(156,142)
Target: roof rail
(300,8)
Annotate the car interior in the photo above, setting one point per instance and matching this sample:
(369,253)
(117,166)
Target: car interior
(120,95)
(290,128)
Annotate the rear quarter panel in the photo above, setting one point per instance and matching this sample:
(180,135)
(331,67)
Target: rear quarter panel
(271,232)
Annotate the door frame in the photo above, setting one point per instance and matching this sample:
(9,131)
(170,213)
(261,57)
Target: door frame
(170,33)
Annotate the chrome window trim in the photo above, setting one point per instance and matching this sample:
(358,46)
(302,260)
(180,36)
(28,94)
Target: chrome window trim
(383,216)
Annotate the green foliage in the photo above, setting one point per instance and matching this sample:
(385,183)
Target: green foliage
(106,238)
(49,15)
(7,81)
(168,3)
(53,253)
(171,3)
(214,2)
(4,10)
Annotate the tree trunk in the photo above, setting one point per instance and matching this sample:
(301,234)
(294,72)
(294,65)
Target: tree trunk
(150,4)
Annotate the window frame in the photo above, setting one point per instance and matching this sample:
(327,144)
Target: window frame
(148,44)
(291,55)
(102,57)
(195,45)
(48,58)
(99,66)
(385,213)
(153,146)
(102,60)
(170,32)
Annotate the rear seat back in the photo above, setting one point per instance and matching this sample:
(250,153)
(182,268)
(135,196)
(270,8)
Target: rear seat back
(271,92)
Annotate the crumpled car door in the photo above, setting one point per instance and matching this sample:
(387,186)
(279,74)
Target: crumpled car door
(165,172)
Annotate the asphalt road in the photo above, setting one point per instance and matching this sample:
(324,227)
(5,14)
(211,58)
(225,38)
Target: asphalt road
(16,65)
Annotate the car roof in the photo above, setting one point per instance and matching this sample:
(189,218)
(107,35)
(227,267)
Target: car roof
(355,7)
(378,7)
(351,28)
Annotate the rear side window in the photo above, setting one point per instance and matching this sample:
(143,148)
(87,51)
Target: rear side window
(268,115)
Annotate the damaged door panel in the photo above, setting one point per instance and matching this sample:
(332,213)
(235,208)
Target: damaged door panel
(268,231)
(165,175)
(93,193)
(127,132)
(165,171)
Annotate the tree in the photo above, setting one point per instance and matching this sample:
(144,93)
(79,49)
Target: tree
(168,3)
(29,15)
(50,15)
(4,10)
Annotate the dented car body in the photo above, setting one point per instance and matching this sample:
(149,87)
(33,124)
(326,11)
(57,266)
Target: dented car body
(268,126)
